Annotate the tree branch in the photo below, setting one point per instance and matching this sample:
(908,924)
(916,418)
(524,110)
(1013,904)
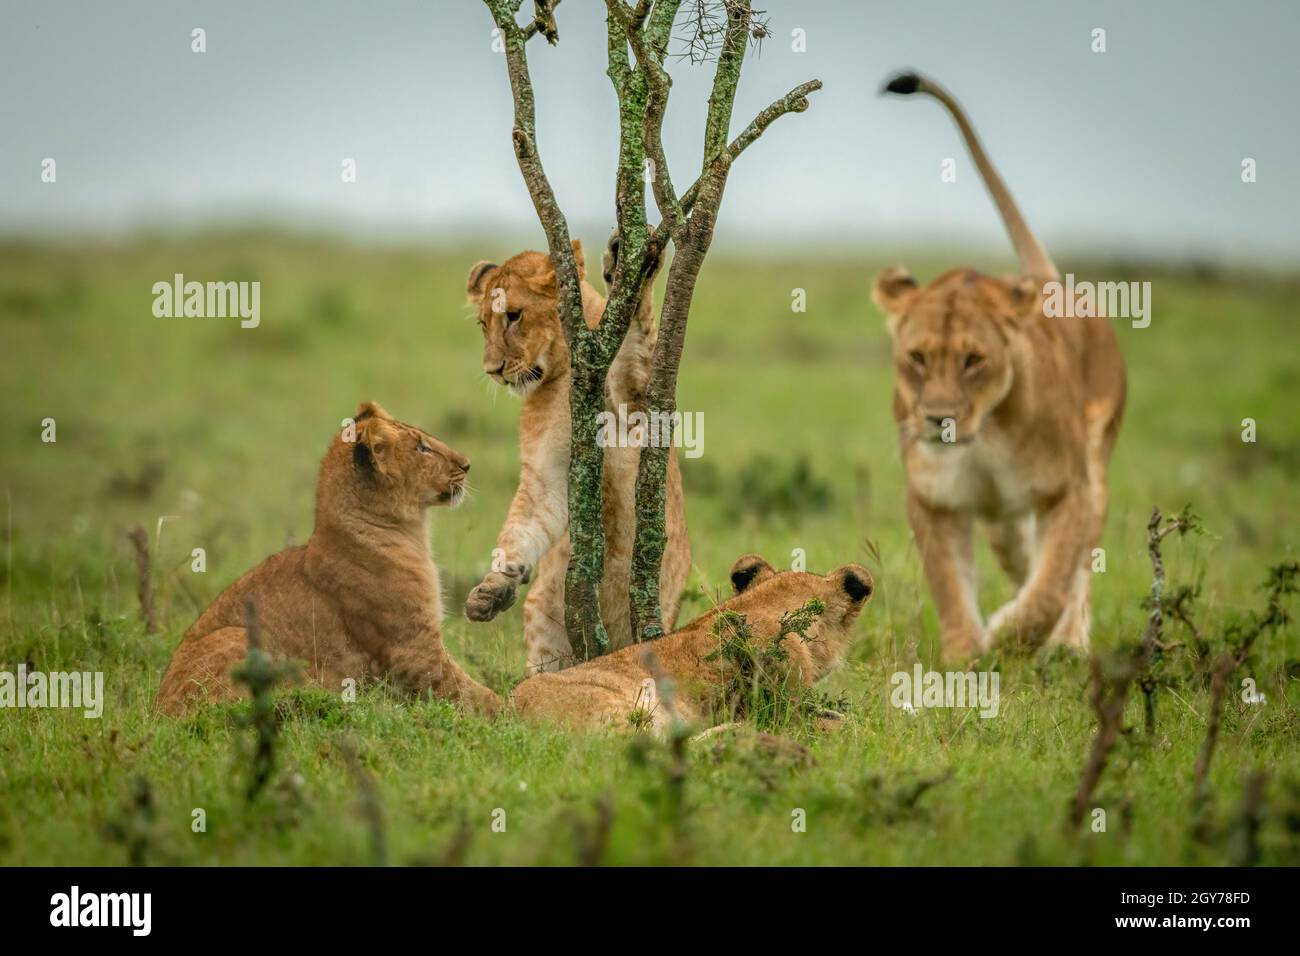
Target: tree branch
(543,21)
(796,101)
(524,138)
(725,80)
(658,84)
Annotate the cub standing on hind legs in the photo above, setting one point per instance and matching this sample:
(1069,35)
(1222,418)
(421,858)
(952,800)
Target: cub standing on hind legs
(1006,415)
(361,596)
(524,349)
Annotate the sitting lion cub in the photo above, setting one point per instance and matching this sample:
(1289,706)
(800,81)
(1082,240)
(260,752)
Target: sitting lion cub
(361,597)
(1008,415)
(607,691)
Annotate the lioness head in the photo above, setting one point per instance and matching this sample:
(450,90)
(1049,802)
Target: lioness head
(954,342)
(395,470)
(518,311)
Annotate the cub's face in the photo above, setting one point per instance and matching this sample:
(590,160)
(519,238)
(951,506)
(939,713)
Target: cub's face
(518,312)
(402,466)
(953,349)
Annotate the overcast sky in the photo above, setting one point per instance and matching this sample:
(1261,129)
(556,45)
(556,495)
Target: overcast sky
(1137,149)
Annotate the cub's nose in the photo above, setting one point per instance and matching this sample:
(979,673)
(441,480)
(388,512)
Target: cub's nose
(465,466)
(491,370)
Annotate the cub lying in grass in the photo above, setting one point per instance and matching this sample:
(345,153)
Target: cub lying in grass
(361,597)
(620,689)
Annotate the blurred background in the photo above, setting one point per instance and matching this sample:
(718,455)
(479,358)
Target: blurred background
(1134,151)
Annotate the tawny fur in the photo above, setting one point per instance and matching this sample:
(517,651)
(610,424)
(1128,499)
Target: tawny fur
(524,348)
(605,692)
(361,597)
(1005,415)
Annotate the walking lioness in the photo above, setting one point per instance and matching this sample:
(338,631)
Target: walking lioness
(1006,415)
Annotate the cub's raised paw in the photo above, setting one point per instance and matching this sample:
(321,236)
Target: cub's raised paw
(492,596)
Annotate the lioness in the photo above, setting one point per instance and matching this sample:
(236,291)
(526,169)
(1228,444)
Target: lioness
(1006,415)
(361,596)
(524,349)
(607,691)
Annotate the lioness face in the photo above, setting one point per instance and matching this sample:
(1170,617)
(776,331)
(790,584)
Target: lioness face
(409,466)
(518,311)
(952,350)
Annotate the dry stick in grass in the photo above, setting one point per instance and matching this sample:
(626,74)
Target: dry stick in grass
(457,849)
(368,803)
(592,839)
(1281,582)
(144,578)
(676,767)
(1153,645)
(1109,695)
(259,675)
(1249,820)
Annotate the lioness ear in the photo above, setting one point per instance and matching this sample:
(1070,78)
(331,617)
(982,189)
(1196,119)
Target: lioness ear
(749,570)
(893,292)
(474,284)
(1026,296)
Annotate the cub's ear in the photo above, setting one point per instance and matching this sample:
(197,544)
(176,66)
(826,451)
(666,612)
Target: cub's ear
(474,284)
(374,440)
(371,410)
(855,581)
(749,570)
(893,293)
(579,259)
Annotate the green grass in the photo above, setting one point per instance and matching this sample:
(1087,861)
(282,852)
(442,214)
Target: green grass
(222,428)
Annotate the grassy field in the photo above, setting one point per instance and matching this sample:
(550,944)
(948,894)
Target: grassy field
(221,429)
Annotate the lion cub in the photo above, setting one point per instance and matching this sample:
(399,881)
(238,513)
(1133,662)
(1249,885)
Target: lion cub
(605,692)
(361,597)
(1006,415)
(524,349)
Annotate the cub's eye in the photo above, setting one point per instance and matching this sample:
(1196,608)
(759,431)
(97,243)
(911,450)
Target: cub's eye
(422,448)
(918,358)
(512,318)
(974,360)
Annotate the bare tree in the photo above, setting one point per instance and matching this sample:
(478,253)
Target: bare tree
(638,41)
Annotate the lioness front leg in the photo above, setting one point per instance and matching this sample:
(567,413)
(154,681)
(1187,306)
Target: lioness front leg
(944,539)
(1028,619)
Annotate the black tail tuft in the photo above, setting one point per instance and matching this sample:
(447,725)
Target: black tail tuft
(904,84)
